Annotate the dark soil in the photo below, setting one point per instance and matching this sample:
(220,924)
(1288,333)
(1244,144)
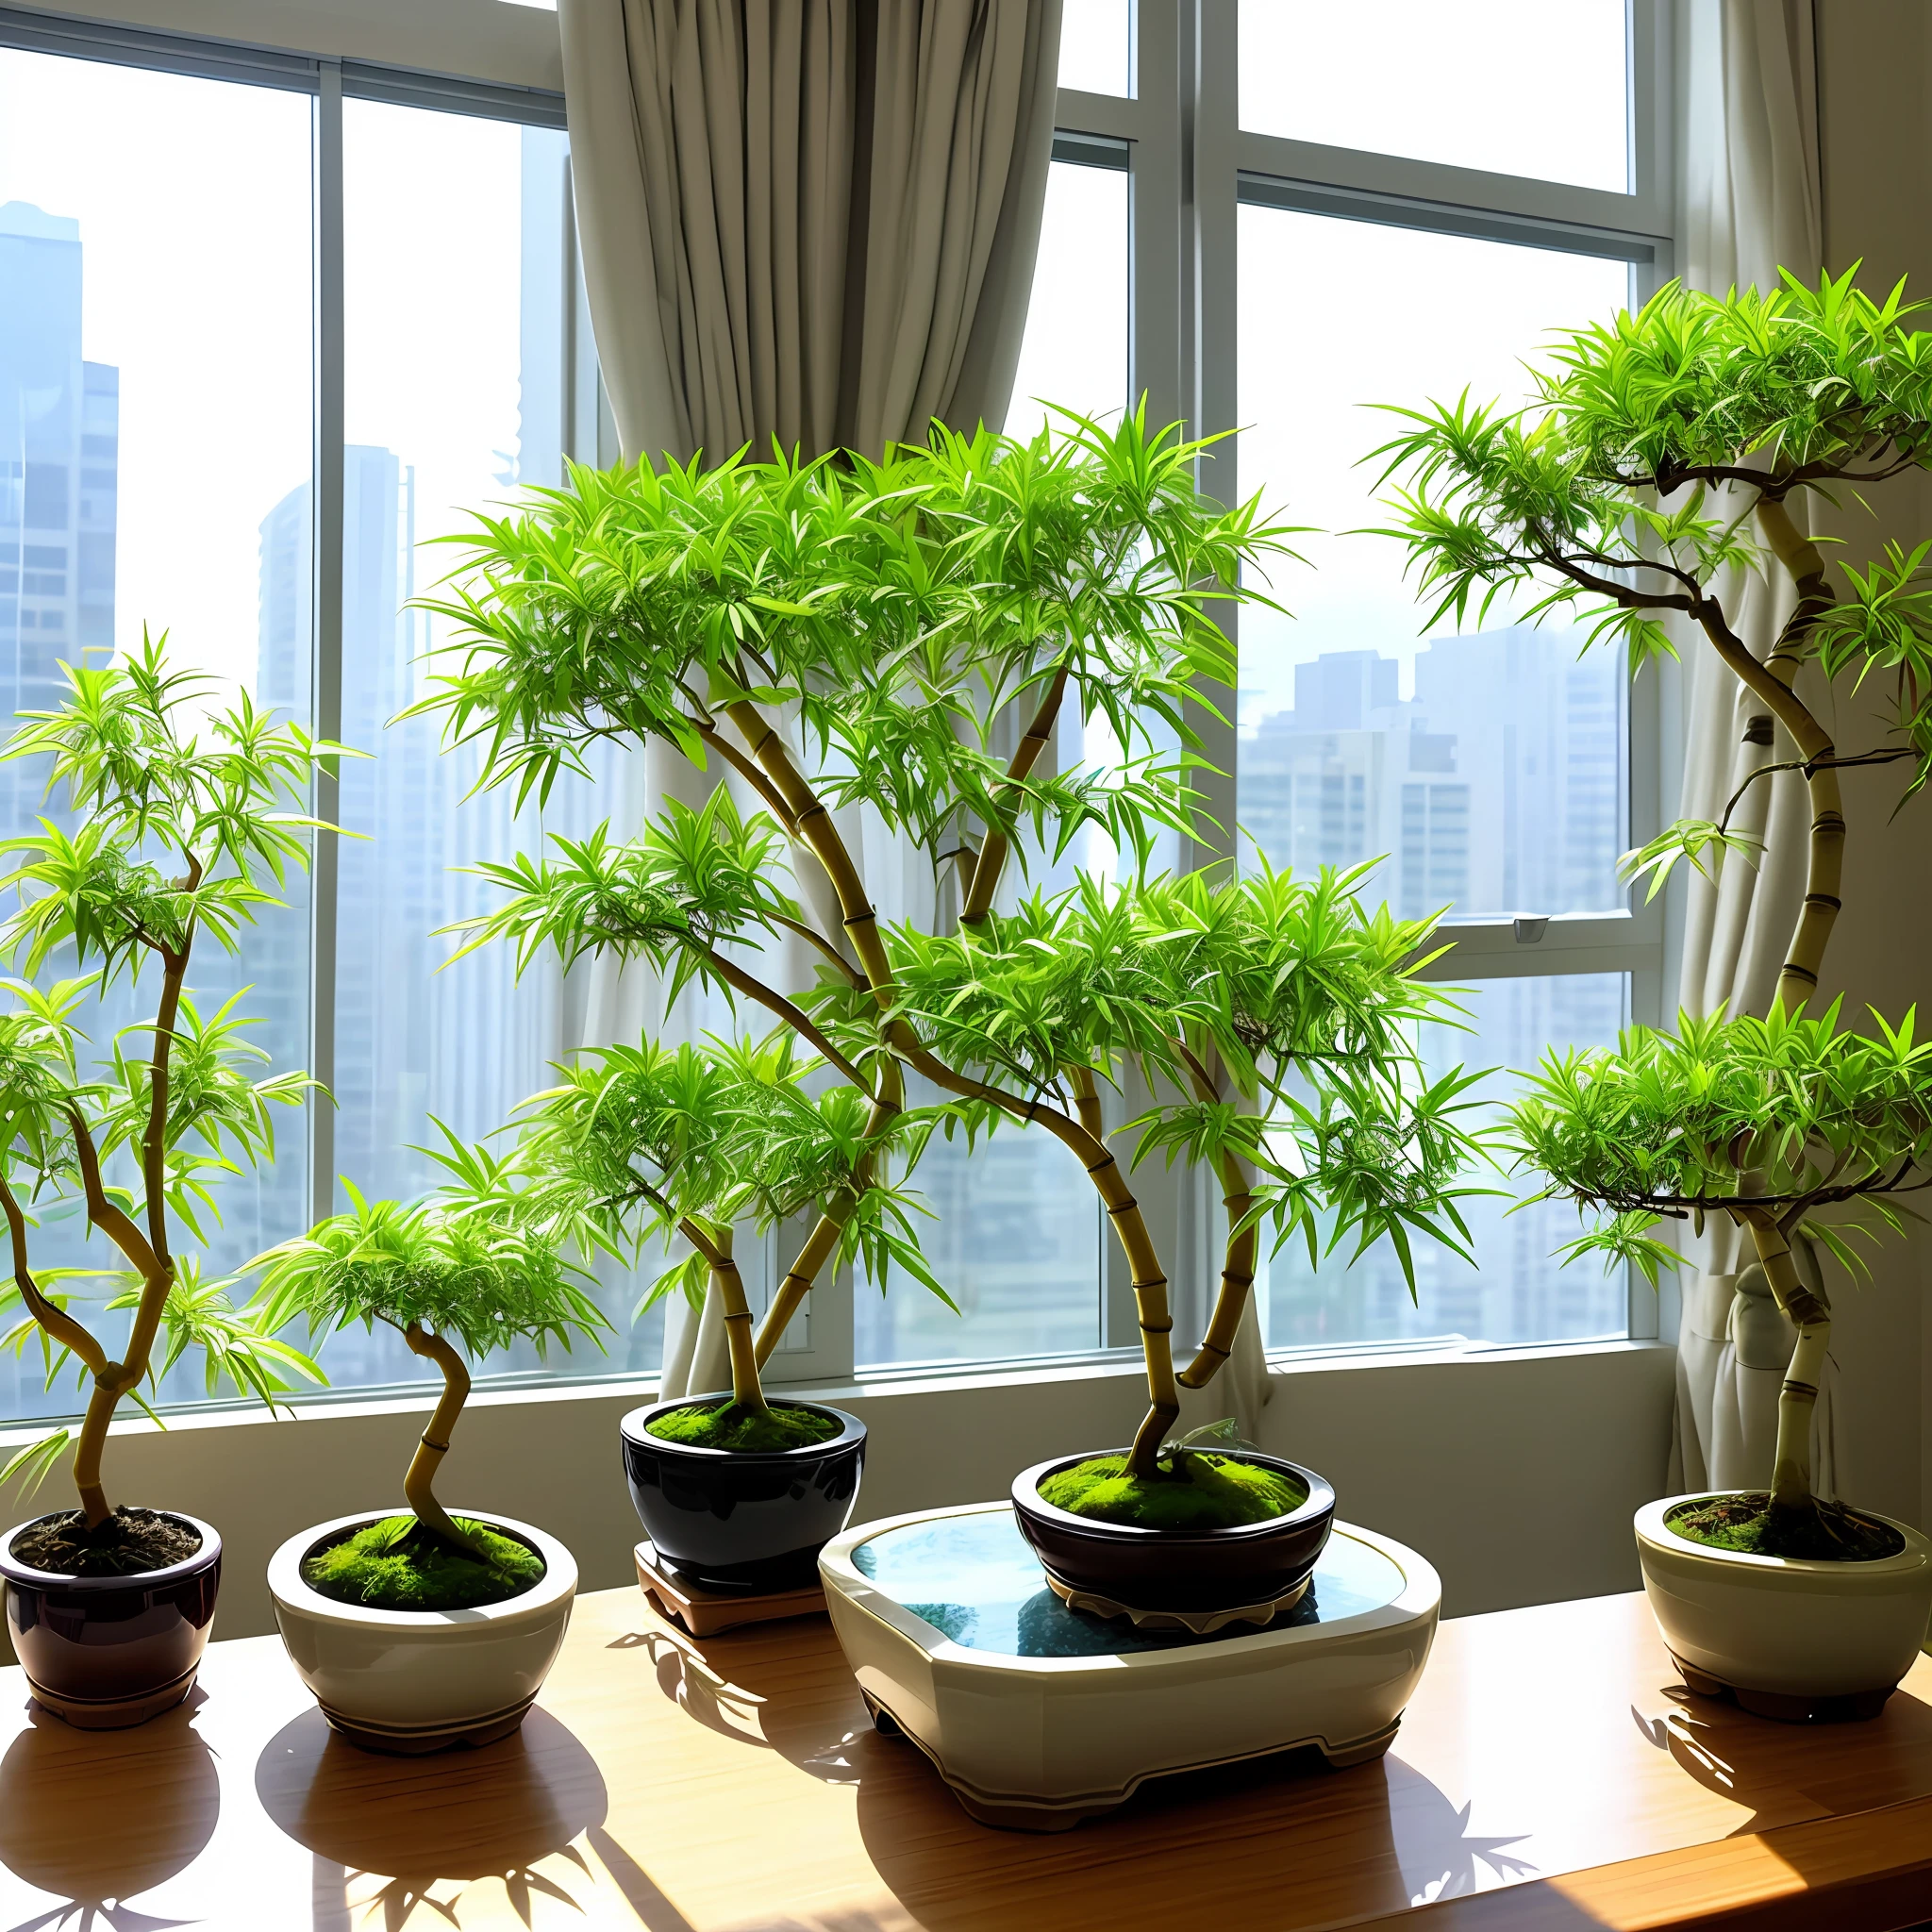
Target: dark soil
(1827,1533)
(398,1564)
(128,1543)
(725,1426)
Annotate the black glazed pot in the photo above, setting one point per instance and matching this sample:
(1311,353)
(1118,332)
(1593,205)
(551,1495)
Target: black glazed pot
(742,1519)
(1177,1570)
(109,1652)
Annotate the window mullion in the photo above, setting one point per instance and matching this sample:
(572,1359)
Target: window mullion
(325,719)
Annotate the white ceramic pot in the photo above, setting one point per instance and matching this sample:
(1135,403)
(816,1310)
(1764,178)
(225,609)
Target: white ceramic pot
(1790,1639)
(423,1680)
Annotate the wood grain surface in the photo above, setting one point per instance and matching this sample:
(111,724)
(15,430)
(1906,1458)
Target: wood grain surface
(1551,1773)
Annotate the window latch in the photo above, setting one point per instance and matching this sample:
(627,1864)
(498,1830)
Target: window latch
(1529,932)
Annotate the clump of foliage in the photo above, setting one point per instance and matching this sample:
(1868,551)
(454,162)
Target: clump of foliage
(1190,1489)
(1662,448)
(911,635)
(394,1565)
(471,1269)
(187,821)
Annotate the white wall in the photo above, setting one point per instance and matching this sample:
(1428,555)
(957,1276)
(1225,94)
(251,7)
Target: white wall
(1515,1472)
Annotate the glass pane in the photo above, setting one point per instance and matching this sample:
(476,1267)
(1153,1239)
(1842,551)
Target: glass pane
(1097,46)
(1017,1244)
(1513,86)
(155,399)
(1075,352)
(1518,1293)
(454,286)
(1487,772)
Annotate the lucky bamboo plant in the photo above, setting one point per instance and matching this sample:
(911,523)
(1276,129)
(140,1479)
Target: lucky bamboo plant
(918,639)
(188,821)
(471,1269)
(1661,450)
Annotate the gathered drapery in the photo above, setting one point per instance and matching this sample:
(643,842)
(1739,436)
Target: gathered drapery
(1750,203)
(808,220)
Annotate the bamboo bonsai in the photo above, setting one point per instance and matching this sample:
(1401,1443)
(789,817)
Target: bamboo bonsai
(909,637)
(471,1269)
(188,822)
(638,1144)
(1661,449)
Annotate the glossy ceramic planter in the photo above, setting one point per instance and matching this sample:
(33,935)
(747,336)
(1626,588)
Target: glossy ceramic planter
(740,1519)
(109,1652)
(413,1681)
(1808,1642)
(1172,1570)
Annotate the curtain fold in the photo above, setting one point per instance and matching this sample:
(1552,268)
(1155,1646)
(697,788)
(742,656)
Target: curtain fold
(1749,203)
(808,219)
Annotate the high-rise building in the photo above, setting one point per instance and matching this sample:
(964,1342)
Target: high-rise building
(59,431)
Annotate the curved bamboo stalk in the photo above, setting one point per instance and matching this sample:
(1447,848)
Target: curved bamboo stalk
(824,1239)
(60,1325)
(1791,1477)
(1771,682)
(992,862)
(433,1445)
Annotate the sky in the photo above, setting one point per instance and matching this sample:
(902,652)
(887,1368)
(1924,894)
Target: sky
(1337,316)
(196,279)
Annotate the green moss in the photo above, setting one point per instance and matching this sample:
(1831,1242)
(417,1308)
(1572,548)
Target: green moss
(1195,1490)
(1828,1533)
(725,1426)
(398,1565)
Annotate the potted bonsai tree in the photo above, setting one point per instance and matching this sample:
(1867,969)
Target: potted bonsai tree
(859,634)
(1661,448)
(184,826)
(422,1630)
(642,1143)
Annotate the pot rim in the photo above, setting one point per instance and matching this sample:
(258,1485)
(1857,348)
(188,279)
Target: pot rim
(1318,1501)
(26,1574)
(1654,1532)
(632,1427)
(558,1583)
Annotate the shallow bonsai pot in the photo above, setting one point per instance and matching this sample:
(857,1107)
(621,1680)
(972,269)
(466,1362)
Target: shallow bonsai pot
(1804,1641)
(1175,1570)
(412,1681)
(109,1652)
(749,1520)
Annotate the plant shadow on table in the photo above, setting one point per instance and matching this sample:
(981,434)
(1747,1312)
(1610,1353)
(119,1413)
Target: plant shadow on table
(97,1818)
(1761,1762)
(1398,1835)
(390,1830)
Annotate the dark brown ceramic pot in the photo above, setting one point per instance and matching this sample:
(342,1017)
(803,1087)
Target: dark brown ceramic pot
(108,1652)
(1177,1570)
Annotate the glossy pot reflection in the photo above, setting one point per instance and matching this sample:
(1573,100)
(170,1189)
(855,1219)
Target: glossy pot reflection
(1177,1570)
(738,1519)
(108,1652)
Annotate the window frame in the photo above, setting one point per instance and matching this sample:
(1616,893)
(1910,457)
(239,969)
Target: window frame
(1190,169)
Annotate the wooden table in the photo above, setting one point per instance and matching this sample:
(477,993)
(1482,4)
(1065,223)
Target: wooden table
(1551,1775)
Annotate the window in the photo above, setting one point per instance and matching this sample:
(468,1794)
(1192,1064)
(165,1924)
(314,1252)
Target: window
(156,344)
(256,395)
(171,361)
(1383,203)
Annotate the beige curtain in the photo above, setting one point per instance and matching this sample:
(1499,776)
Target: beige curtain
(813,220)
(1749,204)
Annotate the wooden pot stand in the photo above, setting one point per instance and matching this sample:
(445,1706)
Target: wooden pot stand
(1038,1716)
(706,1613)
